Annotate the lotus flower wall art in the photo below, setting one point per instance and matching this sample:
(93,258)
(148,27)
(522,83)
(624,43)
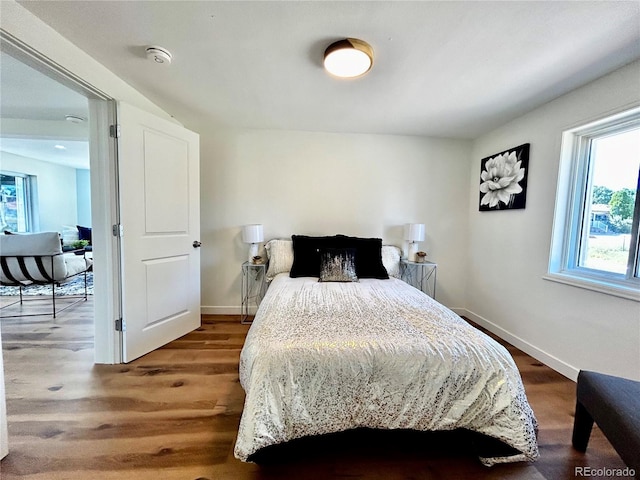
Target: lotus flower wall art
(503,179)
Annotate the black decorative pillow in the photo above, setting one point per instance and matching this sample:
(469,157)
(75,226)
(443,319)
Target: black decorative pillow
(369,258)
(306,254)
(338,265)
(84,233)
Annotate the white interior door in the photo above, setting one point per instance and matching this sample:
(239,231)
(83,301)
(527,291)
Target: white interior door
(158,164)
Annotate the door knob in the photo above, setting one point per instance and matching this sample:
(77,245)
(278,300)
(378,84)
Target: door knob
(196,244)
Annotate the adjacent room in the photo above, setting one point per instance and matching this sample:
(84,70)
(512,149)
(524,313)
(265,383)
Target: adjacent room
(425,268)
(45,179)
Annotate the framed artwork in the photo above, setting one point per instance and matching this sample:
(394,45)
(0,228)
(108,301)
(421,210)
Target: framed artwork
(503,179)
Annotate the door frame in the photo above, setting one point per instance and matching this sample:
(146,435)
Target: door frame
(104,196)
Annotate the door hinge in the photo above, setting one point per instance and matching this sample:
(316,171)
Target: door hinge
(120,325)
(117,230)
(114,131)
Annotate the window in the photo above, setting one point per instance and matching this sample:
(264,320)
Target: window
(595,233)
(16,202)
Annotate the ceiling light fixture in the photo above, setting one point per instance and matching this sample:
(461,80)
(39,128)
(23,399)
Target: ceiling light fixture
(75,119)
(60,147)
(159,55)
(348,58)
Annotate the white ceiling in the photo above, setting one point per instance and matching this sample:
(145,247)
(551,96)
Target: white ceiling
(32,116)
(452,69)
(75,154)
(28,94)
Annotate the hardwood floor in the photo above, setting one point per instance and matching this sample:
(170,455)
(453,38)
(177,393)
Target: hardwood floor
(174,413)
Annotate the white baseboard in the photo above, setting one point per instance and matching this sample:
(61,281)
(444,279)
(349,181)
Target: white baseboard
(224,310)
(215,310)
(551,361)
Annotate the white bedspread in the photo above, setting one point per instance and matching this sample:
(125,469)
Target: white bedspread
(328,357)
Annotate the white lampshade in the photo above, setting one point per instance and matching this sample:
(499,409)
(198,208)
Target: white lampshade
(252,233)
(414,232)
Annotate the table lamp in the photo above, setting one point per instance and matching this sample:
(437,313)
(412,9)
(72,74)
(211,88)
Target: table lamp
(413,233)
(254,235)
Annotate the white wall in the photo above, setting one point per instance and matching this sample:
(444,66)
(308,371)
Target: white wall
(57,200)
(322,184)
(567,327)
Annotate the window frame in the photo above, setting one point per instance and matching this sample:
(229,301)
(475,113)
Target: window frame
(30,200)
(572,204)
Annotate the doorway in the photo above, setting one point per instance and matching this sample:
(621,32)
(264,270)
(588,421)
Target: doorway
(55,138)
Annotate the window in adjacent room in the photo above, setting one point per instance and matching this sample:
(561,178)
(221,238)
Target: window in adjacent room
(595,234)
(16,202)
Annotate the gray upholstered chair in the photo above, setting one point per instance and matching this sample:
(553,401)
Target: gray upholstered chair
(614,404)
(37,259)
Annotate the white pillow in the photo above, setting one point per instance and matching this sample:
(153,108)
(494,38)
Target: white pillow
(69,234)
(391,260)
(280,255)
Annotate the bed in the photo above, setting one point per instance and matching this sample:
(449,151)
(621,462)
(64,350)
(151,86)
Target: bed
(330,356)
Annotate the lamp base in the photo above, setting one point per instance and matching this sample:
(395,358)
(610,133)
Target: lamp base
(411,253)
(253,251)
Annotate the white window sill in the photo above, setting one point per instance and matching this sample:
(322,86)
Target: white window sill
(627,291)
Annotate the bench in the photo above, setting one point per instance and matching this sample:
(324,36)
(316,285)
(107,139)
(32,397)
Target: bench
(614,404)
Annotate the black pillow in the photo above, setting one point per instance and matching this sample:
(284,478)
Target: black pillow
(306,254)
(338,265)
(84,233)
(368,257)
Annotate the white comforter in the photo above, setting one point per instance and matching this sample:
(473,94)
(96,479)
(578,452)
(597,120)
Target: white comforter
(328,357)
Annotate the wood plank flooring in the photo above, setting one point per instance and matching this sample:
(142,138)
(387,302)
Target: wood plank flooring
(174,414)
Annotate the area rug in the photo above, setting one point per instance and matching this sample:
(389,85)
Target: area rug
(73,287)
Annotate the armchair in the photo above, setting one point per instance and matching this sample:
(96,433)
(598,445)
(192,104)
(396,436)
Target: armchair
(37,259)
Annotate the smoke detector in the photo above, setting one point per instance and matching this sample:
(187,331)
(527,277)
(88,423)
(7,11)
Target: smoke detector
(159,55)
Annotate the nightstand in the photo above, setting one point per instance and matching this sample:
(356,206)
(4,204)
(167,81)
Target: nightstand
(253,289)
(421,275)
